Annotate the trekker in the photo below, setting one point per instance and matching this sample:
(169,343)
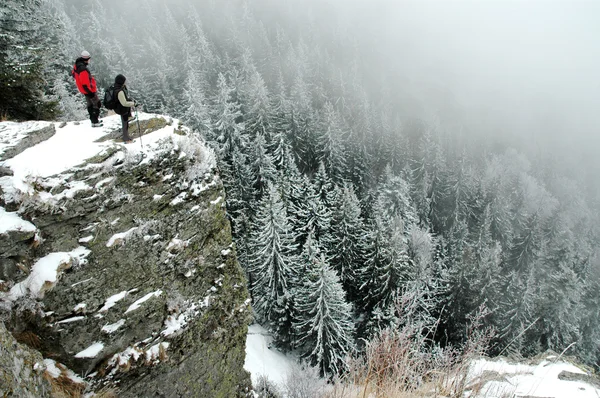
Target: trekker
(123,106)
(87,86)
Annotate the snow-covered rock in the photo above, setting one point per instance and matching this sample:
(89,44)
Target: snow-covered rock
(112,258)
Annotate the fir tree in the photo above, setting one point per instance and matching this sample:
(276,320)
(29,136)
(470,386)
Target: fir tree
(24,57)
(228,131)
(348,244)
(332,152)
(272,261)
(324,320)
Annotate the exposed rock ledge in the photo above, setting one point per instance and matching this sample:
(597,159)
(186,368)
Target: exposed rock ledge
(131,279)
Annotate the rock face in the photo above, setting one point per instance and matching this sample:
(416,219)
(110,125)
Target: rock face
(21,370)
(145,292)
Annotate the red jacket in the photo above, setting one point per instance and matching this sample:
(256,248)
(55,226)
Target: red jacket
(83,78)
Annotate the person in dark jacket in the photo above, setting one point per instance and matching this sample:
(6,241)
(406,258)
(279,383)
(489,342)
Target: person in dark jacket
(87,86)
(123,106)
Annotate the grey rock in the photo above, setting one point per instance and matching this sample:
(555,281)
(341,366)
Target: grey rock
(21,369)
(586,378)
(180,250)
(33,138)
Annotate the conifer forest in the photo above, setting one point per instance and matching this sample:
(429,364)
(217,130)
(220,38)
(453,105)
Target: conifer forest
(353,209)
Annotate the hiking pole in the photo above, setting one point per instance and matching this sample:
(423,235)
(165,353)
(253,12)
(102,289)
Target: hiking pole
(138,123)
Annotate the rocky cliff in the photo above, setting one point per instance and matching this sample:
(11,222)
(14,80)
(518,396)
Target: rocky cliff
(123,271)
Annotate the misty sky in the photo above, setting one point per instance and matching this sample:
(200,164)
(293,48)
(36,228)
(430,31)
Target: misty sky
(516,67)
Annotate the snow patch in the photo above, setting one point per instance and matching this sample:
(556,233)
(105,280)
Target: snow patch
(263,360)
(519,380)
(11,221)
(86,239)
(45,273)
(91,352)
(51,368)
(139,302)
(73,319)
(114,299)
(120,238)
(174,323)
(153,353)
(103,182)
(179,199)
(111,328)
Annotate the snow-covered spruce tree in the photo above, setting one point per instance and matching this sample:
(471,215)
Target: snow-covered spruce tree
(348,245)
(24,57)
(558,295)
(259,118)
(395,267)
(309,214)
(228,130)
(331,145)
(324,319)
(261,164)
(196,111)
(272,260)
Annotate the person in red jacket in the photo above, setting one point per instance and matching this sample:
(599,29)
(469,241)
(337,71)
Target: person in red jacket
(87,86)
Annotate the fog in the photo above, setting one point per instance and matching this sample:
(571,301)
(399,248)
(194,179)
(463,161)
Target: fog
(525,69)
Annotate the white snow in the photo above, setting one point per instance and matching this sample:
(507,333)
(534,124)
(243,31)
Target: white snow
(177,322)
(91,352)
(176,244)
(51,368)
(139,302)
(69,147)
(45,272)
(12,133)
(262,360)
(73,319)
(120,238)
(55,370)
(179,199)
(103,182)
(521,380)
(11,221)
(86,239)
(153,353)
(216,201)
(113,326)
(112,300)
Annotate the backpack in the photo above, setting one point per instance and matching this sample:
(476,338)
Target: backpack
(110,98)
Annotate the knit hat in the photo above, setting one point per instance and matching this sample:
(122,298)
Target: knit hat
(120,79)
(85,55)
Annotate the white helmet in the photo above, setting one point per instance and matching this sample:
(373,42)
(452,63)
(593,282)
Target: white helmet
(85,55)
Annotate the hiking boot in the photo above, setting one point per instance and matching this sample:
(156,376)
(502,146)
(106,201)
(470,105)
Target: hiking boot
(128,142)
(99,124)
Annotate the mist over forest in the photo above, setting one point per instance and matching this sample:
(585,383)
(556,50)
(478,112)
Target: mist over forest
(374,151)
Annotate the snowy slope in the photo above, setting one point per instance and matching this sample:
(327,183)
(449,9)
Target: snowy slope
(265,361)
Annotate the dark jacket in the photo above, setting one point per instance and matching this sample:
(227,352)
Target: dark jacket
(83,78)
(120,108)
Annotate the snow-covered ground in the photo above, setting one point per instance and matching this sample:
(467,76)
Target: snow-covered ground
(499,379)
(265,361)
(487,378)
